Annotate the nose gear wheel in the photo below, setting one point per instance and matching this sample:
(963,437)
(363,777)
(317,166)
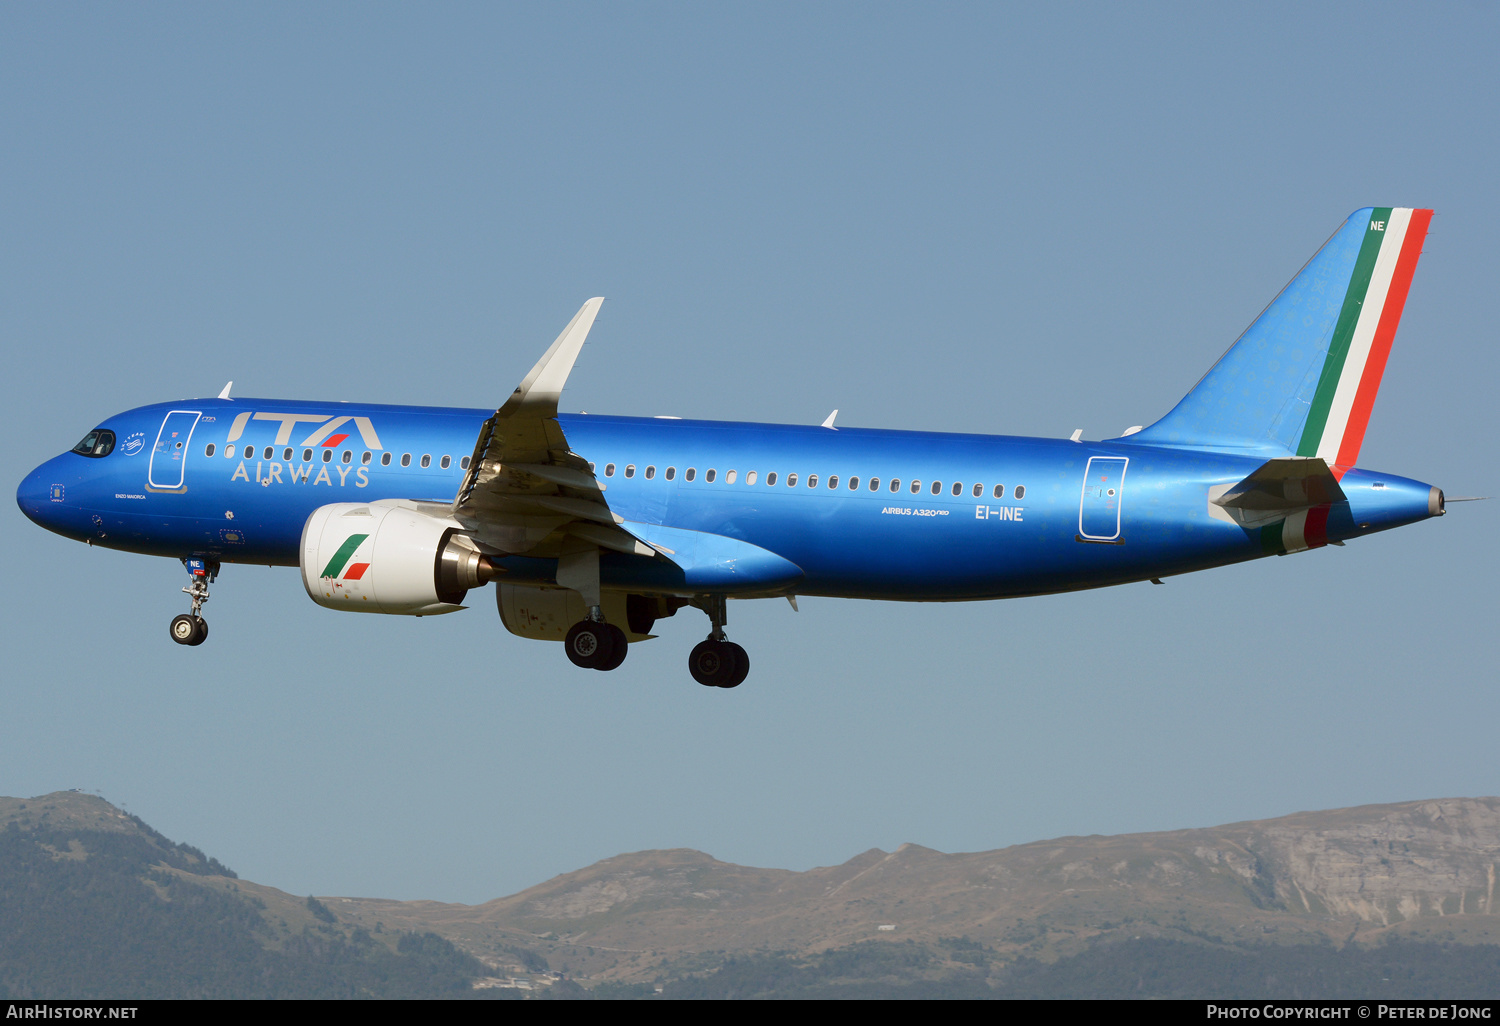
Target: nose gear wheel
(191,628)
(188,630)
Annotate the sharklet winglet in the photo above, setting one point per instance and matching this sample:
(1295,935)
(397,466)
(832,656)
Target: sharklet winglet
(539,391)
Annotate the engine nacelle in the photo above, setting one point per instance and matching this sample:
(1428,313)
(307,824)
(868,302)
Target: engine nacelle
(386,557)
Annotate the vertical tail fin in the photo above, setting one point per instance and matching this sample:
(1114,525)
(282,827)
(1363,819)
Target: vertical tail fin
(1302,379)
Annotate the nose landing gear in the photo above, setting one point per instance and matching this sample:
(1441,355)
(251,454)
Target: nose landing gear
(191,628)
(717,662)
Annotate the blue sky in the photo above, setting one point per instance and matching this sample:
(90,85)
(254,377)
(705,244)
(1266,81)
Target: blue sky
(958,217)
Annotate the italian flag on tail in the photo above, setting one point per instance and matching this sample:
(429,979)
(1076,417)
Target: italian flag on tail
(1361,342)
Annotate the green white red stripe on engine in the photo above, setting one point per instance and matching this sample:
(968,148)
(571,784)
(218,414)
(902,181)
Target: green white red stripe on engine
(341,559)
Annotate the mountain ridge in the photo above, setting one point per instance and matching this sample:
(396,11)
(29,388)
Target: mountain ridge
(1357,874)
(1362,876)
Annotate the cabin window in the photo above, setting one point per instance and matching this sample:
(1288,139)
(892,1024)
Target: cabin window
(771,478)
(812,480)
(209,449)
(750,478)
(306,455)
(670,473)
(978,490)
(854,484)
(406,459)
(229,451)
(999,491)
(286,453)
(463,464)
(445,462)
(650,472)
(958,488)
(874,484)
(365,459)
(630,470)
(916,486)
(348,456)
(895,484)
(328,456)
(426,460)
(833,480)
(791,480)
(709,475)
(937,487)
(690,473)
(729,476)
(385,459)
(1020,492)
(609,470)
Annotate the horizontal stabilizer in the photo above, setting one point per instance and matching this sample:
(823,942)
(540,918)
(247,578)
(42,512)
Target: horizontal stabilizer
(1284,484)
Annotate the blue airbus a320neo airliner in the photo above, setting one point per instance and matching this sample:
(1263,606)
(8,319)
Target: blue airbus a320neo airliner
(593,528)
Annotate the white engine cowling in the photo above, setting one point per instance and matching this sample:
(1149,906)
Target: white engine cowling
(387,557)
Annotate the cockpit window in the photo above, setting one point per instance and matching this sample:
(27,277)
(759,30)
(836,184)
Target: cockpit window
(96,443)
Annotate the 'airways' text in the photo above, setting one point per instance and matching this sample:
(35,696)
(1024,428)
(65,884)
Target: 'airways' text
(267,474)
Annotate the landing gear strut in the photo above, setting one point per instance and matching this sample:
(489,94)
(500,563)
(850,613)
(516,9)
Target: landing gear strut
(717,662)
(191,628)
(591,643)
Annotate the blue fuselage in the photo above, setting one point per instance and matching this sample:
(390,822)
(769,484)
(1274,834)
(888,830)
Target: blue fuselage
(949,516)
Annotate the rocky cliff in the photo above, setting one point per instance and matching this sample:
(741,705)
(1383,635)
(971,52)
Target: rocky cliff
(1417,868)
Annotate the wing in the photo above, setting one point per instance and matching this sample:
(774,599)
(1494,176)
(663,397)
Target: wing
(527,492)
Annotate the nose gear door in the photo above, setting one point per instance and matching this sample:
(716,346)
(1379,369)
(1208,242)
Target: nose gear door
(170,455)
(1099,506)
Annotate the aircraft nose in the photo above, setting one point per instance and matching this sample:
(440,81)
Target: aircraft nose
(34,495)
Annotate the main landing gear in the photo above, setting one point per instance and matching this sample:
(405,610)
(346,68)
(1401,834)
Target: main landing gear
(591,643)
(594,644)
(717,662)
(191,628)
